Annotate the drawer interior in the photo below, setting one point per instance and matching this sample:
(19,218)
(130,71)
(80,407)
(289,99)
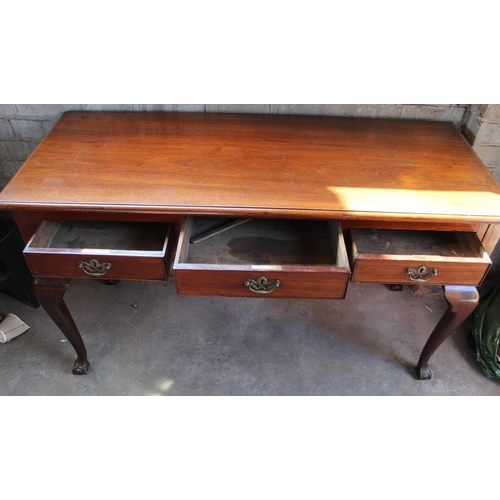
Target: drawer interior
(105,236)
(446,244)
(266,242)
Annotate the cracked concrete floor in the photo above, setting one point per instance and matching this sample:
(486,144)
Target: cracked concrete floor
(367,344)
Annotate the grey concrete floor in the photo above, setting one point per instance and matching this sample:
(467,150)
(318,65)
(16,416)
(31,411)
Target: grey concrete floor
(172,345)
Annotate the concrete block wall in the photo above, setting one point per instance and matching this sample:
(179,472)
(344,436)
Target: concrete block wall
(481,126)
(23,126)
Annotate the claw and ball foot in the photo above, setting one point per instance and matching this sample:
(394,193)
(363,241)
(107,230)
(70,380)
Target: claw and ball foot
(80,367)
(423,372)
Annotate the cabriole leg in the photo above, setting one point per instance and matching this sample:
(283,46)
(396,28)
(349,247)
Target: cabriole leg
(50,292)
(462,300)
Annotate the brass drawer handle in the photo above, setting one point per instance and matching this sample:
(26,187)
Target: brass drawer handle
(94,268)
(262,285)
(421,274)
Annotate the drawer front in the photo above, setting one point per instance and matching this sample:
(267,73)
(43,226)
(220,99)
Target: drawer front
(287,259)
(422,271)
(278,284)
(100,250)
(459,261)
(96,266)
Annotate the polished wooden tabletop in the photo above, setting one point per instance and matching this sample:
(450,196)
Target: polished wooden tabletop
(256,165)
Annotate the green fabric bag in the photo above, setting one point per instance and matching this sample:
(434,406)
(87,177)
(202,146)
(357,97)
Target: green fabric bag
(484,331)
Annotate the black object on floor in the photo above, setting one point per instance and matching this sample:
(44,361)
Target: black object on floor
(15,277)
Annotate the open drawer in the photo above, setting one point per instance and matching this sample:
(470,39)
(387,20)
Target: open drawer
(100,250)
(418,257)
(262,258)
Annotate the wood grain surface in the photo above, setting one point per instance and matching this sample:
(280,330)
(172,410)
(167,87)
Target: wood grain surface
(256,165)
